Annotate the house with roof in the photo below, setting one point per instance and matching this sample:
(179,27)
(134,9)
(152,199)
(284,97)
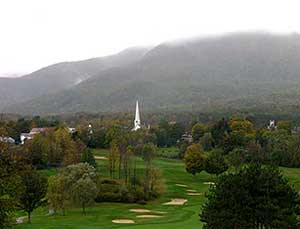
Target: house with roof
(187,138)
(34,131)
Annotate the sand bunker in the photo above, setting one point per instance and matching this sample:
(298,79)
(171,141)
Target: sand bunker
(149,216)
(194,194)
(20,220)
(181,185)
(138,210)
(191,190)
(159,212)
(100,158)
(125,221)
(176,202)
(141,210)
(210,183)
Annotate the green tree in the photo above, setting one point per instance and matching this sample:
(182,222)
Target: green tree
(156,186)
(207,141)
(167,134)
(215,162)
(182,148)
(175,131)
(127,165)
(254,152)
(162,137)
(194,159)
(198,131)
(113,159)
(254,197)
(237,157)
(80,182)
(63,150)
(10,187)
(148,152)
(38,150)
(3,145)
(57,193)
(84,192)
(88,157)
(291,156)
(34,190)
(219,130)
(285,125)
(241,133)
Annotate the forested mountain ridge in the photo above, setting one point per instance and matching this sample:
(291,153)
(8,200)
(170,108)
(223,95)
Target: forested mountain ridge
(250,71)
(60,76)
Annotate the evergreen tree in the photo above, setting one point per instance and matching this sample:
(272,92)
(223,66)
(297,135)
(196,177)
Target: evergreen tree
(88,157)
(215,163)
(254,197)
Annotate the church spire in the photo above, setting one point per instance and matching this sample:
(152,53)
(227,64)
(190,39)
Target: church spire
(137,120)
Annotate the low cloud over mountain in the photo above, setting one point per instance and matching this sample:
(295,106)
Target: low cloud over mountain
(237,71)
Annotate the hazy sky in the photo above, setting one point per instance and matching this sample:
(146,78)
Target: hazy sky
(36,33)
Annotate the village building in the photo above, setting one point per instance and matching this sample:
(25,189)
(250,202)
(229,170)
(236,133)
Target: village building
(34,131)
(9,140)
(272,125)
(137,120)
(71,130)
(187,138)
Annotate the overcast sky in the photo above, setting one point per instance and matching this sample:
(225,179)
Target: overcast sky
(37,33)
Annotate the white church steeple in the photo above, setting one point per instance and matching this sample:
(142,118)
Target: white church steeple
(137,120)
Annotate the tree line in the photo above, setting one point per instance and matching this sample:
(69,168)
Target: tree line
(78,180)
(235,141)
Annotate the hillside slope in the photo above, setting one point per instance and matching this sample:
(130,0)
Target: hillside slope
(237,71)
(60,76)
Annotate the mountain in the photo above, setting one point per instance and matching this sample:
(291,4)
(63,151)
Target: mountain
(247,71)
(58,77)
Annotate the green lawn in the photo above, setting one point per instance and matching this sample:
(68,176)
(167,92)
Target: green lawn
(100,152)
(101,215)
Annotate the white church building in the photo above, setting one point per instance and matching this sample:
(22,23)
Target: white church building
(137,119)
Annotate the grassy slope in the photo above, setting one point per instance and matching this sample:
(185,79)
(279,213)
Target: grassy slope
(100,215)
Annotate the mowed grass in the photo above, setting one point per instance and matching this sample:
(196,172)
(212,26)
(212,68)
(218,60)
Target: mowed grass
(101,214)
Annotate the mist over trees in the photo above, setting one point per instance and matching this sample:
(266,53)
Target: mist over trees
(252,72)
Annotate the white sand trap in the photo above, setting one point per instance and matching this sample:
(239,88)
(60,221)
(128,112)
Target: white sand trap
(159,212)
(125,221)
(100,158)
(139,210)
(210,183)
(181,185)
(191,190)
(20,220)
(149,216)
(194,194)
(176,202)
